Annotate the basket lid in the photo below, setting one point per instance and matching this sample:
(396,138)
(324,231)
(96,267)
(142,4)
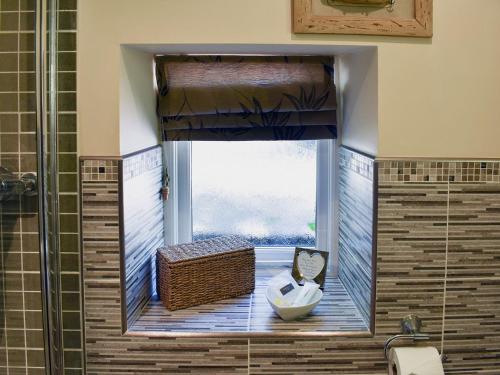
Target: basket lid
(204,248)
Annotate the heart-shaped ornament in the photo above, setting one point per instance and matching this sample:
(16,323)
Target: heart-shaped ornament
(310,266)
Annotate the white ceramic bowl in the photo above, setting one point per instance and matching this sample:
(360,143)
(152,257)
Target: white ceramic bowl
(294,312)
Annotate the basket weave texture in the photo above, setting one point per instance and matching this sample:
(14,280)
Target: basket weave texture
(204,271)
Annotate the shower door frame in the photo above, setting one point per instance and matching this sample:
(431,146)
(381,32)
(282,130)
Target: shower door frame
(46,103)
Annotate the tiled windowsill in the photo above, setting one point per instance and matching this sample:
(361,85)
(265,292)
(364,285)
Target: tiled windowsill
(251,315)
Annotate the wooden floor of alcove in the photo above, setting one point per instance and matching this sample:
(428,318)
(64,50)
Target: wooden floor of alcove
(251,313)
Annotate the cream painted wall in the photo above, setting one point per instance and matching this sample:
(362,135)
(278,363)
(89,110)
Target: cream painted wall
(437,98)
(138,120)
(358,83)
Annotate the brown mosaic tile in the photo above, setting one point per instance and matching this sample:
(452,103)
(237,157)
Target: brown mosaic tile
(356,228)
(142,228)
(439,171)
(20,292)
(143,162)
(411,255)
(474,230)
(109,352)
(356,162)
(411,238)
(99,170)
(472,326)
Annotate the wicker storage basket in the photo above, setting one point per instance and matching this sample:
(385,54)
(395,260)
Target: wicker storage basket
(204,271)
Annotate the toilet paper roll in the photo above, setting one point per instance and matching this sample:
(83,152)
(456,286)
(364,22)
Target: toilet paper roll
(415,361)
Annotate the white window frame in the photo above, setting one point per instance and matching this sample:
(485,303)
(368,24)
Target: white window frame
(178,211)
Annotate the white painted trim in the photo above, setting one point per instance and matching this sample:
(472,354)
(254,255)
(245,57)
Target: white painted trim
(325,200)
(184,215)
(269,256)
(170,206)
(334,206)
(177,213)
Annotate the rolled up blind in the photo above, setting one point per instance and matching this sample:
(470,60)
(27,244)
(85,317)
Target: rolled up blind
(241,98)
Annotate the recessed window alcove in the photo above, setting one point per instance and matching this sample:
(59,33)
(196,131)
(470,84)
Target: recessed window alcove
(348,302)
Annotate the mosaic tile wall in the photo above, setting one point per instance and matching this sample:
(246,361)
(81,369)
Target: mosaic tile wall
(446,227)
(18,153)
(142,223)
(422,222)
(108,352)
(420,225)
(21,323)
(356,229)
(440,171)
(69,188)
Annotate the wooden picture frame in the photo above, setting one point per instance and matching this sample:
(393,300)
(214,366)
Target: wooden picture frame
(305,21)
(319,276)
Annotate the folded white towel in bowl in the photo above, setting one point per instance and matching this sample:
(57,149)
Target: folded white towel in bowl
(283,289)
(306,294)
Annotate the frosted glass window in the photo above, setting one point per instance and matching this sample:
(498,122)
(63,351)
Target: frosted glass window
(262,191)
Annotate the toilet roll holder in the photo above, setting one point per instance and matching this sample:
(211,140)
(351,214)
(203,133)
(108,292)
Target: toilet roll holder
(410,330)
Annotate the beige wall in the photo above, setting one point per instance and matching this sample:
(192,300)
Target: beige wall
(437,98)
(138,120)
(358,83)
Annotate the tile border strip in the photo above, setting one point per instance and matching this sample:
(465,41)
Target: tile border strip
(140,162)
(357,162)
(438,171)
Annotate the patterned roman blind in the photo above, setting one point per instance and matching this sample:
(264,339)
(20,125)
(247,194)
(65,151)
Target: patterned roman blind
(242,98)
